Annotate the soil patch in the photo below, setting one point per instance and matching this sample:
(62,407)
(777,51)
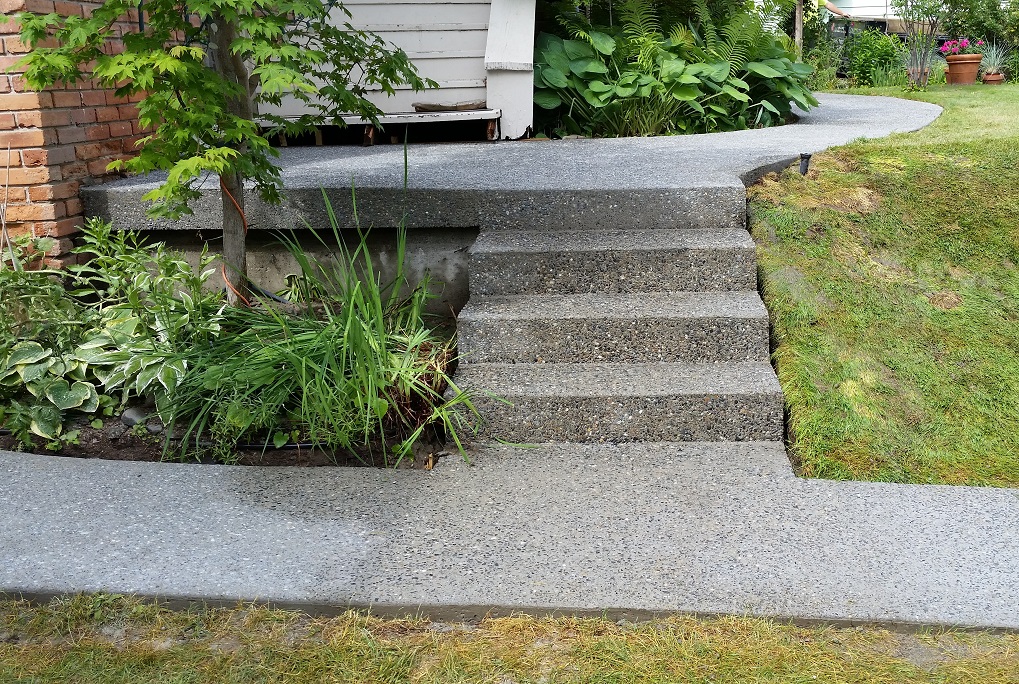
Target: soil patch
(116,442)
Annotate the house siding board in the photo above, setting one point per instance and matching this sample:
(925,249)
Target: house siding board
(866,8)
(445,40)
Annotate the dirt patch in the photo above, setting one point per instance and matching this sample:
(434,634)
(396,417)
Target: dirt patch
(927,652)
(116,442)
(945,300)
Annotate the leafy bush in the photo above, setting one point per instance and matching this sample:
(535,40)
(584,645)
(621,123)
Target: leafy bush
(41,375)
(986,19)
(826,58)
(870,53)
(633,80)
(347,361)
(64,352)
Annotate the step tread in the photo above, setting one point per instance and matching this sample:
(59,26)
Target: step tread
(658,379)
(617,306)
(527,241)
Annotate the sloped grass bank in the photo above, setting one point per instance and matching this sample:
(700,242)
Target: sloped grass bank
(111,639)
(891,275)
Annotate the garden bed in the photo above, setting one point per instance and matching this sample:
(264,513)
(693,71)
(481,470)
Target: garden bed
(338,369)
(117,442)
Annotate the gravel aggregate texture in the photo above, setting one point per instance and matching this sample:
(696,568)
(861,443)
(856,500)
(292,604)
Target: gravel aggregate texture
(633,327)
(629,530)
(662,182)
(626,402)
(578,261)
(657,482)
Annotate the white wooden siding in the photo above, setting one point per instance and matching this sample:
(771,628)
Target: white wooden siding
(867,9)
(478,51)
(444,39)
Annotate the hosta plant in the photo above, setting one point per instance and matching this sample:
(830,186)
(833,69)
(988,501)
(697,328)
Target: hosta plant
(635,80)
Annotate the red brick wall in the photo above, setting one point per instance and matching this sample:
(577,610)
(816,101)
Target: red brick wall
(60,139)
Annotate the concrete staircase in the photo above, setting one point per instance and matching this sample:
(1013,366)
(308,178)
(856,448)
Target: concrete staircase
(653,335)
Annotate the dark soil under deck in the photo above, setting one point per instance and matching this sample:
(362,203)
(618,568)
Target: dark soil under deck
(116,442)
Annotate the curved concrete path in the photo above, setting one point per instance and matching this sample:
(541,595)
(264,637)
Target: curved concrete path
(629,530)
(604,183)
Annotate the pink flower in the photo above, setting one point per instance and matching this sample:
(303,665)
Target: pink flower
(980,43)
(964,43)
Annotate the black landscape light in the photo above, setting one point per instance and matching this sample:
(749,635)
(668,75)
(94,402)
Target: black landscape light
(804,163)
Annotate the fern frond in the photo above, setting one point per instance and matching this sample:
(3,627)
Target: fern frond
(642,32)
(577,25)
(707,25)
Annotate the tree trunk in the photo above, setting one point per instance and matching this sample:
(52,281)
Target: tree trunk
(235,249)
(232,68)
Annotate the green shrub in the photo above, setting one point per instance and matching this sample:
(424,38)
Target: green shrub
(63,353)
(42,377)
(633,80)
(871,53)
(826,58)
(347,362)
(987,19)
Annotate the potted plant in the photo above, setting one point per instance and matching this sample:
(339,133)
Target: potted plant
(996,56)
(963,57)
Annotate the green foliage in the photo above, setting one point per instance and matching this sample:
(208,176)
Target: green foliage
(41,376)
(826,58)
(63,352)
(633,80)
(204,67)
(872,52)
(987,19)
(347,363)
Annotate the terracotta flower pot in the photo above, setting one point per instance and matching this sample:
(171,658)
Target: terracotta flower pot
(993,79)
(962,69)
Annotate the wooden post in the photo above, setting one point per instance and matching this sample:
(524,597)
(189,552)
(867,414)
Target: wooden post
(798,29)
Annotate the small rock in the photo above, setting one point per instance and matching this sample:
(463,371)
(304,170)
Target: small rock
(133,416)
(154,427)
(115,430)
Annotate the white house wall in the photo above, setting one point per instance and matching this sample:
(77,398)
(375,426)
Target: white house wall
(450,42)
(866,9)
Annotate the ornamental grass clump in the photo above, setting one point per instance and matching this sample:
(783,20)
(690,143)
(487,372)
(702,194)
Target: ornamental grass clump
(344,363)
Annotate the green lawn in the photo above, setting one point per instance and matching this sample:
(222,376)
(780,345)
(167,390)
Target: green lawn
(110,640)
(890,272)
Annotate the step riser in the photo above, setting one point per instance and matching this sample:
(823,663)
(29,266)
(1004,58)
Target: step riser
(684,418)
(613,341)
(692,270)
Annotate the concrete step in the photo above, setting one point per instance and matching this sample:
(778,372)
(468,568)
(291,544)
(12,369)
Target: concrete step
(577,328)
(622,402)
(569,261)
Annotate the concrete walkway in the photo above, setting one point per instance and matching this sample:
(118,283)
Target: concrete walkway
(628,530)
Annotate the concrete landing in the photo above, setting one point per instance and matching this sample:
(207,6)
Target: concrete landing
(630,530)
(688,181)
